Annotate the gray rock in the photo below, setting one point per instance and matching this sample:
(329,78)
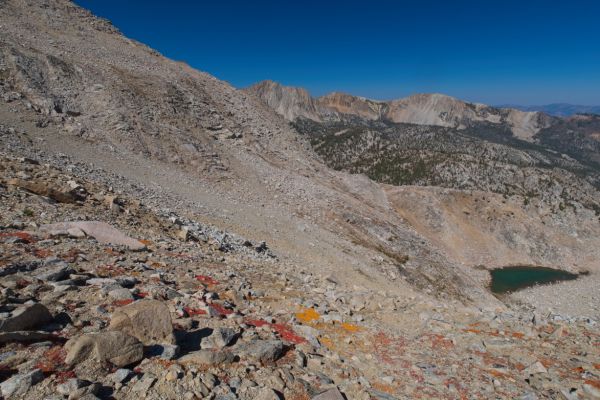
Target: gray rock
(126,281)
(56,273)
(207,357)
(85,391)
(164,351)
(120,375)
(219,338)
(120,293)
(25,318)
(100,281)
(18,385)
(116,347)
(7,355)
(70,386)
(143,385)
(264,351)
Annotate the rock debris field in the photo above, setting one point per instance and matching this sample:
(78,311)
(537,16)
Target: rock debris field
(104,297)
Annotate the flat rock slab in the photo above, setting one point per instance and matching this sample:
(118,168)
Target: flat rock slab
(148,320)
(101,231)
(118,348)
(26,318)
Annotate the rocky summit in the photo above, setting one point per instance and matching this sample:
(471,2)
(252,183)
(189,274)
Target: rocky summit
(164,235)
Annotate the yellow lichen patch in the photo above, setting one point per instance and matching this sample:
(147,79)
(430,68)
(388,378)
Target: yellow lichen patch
(350,327)
(308,315)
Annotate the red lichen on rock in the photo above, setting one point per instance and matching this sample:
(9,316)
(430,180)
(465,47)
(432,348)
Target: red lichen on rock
(42,253)
(206,280)
(439,341)
(194,311)
(121,303)
(53,360)
(388,349)
(63,376)
(220,309)
(286,333)
(593,383)
(24,236)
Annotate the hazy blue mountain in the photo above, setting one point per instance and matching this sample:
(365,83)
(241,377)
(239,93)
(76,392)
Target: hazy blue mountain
(557,109)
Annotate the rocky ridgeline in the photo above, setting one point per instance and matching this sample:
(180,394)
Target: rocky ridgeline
(154,305)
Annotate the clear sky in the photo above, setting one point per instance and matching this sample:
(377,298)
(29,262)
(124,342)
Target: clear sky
(521,52)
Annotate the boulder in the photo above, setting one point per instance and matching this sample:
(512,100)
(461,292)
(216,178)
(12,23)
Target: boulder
(117,348)
(101,231)
(147,320)
(26,318)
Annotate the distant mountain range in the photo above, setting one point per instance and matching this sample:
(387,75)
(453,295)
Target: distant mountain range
(557,109)
(437,140)
(420,109)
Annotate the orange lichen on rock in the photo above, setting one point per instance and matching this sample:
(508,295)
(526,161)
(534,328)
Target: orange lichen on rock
(350,327)
(308,315)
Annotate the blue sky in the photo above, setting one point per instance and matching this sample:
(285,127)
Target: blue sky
(495,52)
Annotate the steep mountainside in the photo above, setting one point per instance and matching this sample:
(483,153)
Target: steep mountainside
(73,85)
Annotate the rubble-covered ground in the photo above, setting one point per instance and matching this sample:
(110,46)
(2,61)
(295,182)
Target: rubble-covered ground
(103,297)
